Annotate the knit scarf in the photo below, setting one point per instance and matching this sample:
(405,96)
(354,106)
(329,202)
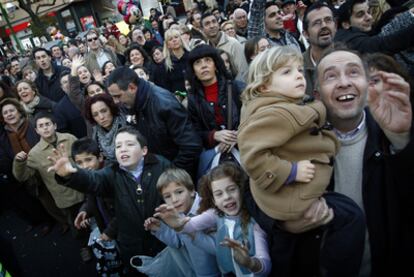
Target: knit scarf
(30,107)
(106,139)
(18,139)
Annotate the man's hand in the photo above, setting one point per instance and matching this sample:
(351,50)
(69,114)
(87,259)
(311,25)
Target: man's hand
(391,107)
(171,217)
(60,162)
(305,171)
(21,156)
(317,214)
(81,220)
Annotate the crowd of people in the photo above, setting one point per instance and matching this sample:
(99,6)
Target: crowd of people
(257,138)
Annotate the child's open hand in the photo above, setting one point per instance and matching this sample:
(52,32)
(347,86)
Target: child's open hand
(305,171)
(171,217)
(60,162)
(152,224)
(241,254)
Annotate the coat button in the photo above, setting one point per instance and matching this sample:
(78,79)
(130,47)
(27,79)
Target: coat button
(377,154)
(149,174)
(269,175)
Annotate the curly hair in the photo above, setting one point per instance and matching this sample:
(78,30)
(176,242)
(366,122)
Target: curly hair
(224,170)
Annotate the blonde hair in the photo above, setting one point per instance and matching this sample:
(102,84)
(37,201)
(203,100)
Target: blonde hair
(119,48)
(170,33)
(176,175)
(264,65)
(228,22)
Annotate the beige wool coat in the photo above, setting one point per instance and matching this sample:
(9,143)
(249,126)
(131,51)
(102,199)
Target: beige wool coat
(274,132)
(37,161)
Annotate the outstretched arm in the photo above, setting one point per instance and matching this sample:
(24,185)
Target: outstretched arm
(97,182)
(60,162)
(185,224)
(75,93)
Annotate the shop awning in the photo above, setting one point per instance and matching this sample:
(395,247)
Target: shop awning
(18,28)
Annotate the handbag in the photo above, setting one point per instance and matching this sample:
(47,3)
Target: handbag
(108,260)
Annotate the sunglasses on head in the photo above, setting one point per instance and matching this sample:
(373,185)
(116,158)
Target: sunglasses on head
(92,39)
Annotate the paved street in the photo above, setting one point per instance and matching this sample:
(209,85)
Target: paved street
(52,255)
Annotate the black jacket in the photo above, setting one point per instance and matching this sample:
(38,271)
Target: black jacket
(364,43)
(102,209)
(69,118)
(51,87)
(131,210)
(387,193)
(202,112)
(172,80)
(165,124)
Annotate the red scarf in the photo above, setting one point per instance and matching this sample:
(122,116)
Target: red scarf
(211,93)
(18,139)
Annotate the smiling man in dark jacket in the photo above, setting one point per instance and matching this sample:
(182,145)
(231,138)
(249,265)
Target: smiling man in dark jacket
(159,117)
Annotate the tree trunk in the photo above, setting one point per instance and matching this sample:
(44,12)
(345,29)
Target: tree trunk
(34,17)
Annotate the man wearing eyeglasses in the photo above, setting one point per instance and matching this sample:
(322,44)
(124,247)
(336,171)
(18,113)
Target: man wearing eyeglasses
(98,55)
(319,28)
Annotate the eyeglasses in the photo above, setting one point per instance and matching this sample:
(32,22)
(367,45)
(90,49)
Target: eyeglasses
(92,39)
